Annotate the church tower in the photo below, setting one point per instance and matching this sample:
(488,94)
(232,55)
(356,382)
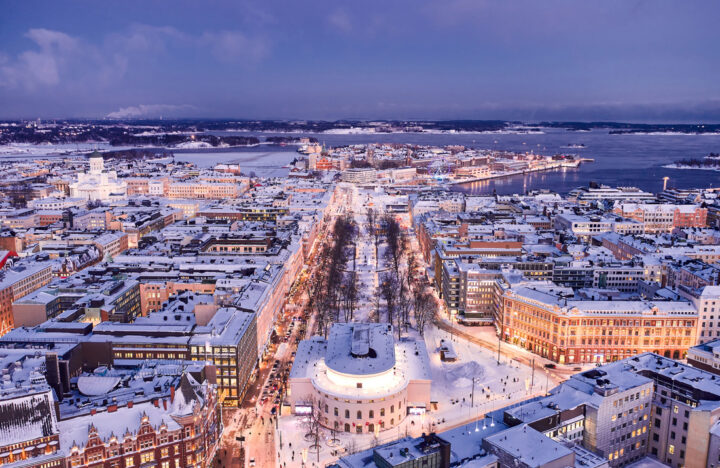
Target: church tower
(96,163)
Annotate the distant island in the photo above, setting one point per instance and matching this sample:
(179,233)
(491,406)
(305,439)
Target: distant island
(197,134)
(711,162)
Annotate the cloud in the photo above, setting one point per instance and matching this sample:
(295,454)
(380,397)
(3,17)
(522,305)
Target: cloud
(41,66)
(340,20)
(149,110)
(233,46)
(60,59)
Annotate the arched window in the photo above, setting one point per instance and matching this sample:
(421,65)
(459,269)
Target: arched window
(347,427)
(347,414)
(392,408)
(326,407)
(372,414)
(371,428)
(335,411)
(359,414)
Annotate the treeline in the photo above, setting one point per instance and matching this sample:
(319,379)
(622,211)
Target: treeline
(402,288)
(116,135)
(289,139)
(333,291)
(711,161)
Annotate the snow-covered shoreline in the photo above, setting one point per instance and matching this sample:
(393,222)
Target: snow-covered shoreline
(678,166)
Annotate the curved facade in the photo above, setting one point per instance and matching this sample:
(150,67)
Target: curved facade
(360,378)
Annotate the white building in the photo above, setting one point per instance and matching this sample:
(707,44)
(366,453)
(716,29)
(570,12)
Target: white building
(359,175)
(98,184)
(361,378)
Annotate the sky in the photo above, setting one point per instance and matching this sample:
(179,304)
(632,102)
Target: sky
(623,60)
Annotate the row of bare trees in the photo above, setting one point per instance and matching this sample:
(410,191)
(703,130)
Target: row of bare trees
(403,289)
(333,291)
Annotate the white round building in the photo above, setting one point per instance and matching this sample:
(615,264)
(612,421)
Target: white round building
(360,378)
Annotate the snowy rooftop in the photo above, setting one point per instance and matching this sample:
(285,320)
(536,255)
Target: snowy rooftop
(529,446)
(75,431)
(563,398)
(360,348)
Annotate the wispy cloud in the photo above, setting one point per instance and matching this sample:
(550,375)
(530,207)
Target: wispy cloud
(150,110)
(58,57)
(42,65)
(340,20)
(234,46)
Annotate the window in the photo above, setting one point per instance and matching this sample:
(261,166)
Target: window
(147,457)
(371,414)
(335,411)
(358,429)
(671,449)
(347,427)
(129,461)
(359,414)
(382,411)
(347,414)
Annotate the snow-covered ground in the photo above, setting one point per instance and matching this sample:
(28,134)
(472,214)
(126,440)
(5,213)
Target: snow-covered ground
(49,149)
(475,376)
(263,164)
(496,386)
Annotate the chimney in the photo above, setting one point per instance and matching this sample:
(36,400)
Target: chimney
(156,403)
(172,393)
(92,412)
(112,408)
(165,404)
(130,404)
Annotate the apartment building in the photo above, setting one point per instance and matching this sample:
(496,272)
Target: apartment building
(546,322)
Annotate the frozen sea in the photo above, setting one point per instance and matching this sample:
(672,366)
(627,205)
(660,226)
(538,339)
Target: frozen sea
(619,160)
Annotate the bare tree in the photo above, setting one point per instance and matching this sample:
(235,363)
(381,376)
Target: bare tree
(404,304)
(350,295)
(425,308)
(313,423)
(371,220)
(389,292)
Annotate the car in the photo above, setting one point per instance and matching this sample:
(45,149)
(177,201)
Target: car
(550,366)
(252,462)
